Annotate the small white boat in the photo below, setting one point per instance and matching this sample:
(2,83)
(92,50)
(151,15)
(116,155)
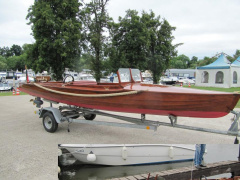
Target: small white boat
(22,79)
(5,87)
(86,77)
(73,74)
(130,154)
(186,81)
(169,80)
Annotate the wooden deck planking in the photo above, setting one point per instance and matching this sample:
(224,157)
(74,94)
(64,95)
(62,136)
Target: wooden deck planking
(138,177)
(188,172)
(131,178)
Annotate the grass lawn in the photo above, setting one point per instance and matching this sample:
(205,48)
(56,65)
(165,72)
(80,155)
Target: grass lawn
(9,93)
(233,89)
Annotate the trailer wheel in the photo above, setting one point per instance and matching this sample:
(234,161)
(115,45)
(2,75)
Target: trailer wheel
(89,116)
(49,122)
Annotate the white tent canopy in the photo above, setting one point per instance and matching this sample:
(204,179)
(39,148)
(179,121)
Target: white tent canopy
(220,73)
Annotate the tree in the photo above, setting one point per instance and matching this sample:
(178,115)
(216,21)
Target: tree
(237,54)
(84,62)
(194,59)
(16,50)
(142,42)
(3,63)
(129,38)
(180,62)
(16,62)
(33,60)
(206,60)
(193,62)
(95,19)
(5,52)
(160,49)
(56,30)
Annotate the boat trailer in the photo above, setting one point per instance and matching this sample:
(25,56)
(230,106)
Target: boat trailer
(53,116)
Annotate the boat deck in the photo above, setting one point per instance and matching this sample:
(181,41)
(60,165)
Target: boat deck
(93,86)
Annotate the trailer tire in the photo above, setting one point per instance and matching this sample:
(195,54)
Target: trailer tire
(89,116)
(49,122)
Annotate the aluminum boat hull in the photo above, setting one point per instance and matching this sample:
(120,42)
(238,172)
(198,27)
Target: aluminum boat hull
(130,154)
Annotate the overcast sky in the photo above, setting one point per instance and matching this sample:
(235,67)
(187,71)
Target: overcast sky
(206,27)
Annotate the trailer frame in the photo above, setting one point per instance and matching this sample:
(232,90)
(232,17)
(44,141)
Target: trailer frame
(70,113)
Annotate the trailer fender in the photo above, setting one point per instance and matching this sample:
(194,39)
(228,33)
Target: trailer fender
(55,111)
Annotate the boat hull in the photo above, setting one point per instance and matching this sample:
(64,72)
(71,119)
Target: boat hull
(149,99)
(135,154)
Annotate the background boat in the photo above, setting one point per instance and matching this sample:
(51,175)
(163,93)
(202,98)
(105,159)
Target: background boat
(215,153)
(4,86)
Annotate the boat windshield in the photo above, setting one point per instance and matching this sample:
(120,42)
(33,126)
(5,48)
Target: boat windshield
(124,74)
(136,75)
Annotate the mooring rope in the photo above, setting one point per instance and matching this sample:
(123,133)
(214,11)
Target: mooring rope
(87,95)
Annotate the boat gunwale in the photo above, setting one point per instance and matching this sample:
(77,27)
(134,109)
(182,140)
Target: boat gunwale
(123,145)
(108,91)
(85,89)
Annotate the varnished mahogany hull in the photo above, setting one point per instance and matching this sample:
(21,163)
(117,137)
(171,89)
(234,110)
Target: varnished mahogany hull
(149,100)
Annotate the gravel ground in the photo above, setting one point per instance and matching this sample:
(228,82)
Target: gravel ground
(27,151)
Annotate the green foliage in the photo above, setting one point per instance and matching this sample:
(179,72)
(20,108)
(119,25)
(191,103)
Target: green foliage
(5,52)
(206,61)
(183,62)
(12,58)
(15,50)
(16,62)
(180,62)
(84,62)
(237,54)
(143,42)
(63,30)
(57,32)
(128,42)
(95,19)
(3,63)
(33,60)
(193,62)
(164,50)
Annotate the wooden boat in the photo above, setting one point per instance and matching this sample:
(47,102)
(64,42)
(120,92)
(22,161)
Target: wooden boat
(132,96)
(130,154)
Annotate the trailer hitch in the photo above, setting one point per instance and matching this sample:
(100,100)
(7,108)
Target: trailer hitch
(37,101)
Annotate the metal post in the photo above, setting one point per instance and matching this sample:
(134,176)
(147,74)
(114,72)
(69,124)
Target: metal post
(236,141)
(143,117)
(239,153)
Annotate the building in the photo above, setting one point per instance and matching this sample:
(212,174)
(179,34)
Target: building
(181,73)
